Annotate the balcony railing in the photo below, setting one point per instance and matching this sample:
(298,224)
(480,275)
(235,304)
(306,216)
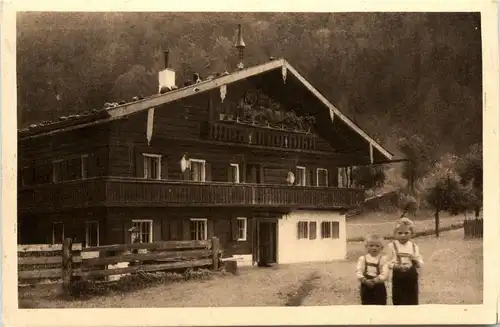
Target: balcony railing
(261,136)
(130,192)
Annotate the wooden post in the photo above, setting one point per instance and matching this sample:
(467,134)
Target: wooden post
(67,264)
(215,253)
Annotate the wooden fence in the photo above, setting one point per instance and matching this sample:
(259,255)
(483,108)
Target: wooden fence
(473,228)
(70,262)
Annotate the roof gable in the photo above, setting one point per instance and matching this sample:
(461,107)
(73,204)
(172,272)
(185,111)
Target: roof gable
(156,100)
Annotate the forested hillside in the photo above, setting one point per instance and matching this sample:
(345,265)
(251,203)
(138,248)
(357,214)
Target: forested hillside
(395,74)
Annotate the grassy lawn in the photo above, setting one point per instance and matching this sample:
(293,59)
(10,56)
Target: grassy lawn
(452,275)
(383,224)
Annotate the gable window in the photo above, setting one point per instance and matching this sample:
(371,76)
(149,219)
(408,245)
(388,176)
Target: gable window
(312,230)
(242,228)
(322,177)
(234,173)
(197,173)
(300,178)
(152,166)
(302,230)
(330,229)
(145,230)
(344,176)
(198,229)
(57,232)
(91,233)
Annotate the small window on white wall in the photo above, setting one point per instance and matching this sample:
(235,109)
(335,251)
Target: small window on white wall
(242,228)
(302,230)
(300,176)
(330,229)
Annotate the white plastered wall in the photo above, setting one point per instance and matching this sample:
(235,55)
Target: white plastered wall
(294,250)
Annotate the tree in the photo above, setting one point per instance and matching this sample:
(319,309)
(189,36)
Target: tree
(446,195)
(471,176)
(369,176)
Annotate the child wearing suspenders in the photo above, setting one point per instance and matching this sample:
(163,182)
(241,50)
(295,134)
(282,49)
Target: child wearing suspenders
(372,272)
(405,261)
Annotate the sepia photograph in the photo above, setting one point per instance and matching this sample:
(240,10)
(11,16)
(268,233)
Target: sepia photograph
(216,159)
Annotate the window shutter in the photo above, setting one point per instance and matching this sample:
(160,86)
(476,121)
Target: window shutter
(139,165)
(208,172)
(126,234)
(234,228)
(210,229)
(230,173)
(313,177)
(164,167)
(165,230)
(186,175)
(298,230)
(308,177)
(186,229)
(92,165)
(261,174)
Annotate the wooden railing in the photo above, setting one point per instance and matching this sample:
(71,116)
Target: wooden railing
(74,265)
(112,191)
(260,136)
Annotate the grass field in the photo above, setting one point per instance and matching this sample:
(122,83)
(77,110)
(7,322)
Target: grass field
(452,275)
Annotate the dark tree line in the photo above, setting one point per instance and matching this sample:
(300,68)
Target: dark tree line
(404,77)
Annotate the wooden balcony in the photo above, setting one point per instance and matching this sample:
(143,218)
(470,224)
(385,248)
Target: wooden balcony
(129,192)
(259,136)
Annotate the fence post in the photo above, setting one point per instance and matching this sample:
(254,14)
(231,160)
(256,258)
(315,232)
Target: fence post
(67,264)
(215,253)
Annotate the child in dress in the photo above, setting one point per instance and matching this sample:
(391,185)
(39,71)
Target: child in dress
(405,261)
(372,271)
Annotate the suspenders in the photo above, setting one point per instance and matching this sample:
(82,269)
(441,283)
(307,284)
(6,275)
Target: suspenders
(398,255)
(371,265)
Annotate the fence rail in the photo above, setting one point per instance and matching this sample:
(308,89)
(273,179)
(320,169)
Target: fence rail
(473,228)
(68,263)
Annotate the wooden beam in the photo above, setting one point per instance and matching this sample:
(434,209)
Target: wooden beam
(151,246)
(371,153)
(163,256)
(43,260)
(40,274)
(145,268)
(44,247)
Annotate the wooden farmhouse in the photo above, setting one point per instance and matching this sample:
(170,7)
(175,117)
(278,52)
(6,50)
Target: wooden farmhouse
(256,157)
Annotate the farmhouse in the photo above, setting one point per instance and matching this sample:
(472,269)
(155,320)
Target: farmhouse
(256,157)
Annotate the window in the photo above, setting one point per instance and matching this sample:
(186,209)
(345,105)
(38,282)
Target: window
(57,232)
(242,229)
(198,228)
(321,177)
(197,170)
(303,231)
(300,176)
(57,170)
(312,230)
(345,178)
(84,165)
(145,230)
(234,173)
(91,233)
(152,166)
(330,229)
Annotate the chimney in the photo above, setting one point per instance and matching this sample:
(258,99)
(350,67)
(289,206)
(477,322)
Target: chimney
(240,45)
(166,77)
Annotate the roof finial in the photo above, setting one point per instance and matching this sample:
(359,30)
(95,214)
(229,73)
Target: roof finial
(240,45)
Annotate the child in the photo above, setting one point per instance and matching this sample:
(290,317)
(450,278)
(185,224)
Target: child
(405,260)
(372,271)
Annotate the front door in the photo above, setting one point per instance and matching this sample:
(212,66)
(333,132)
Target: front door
(266,242)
